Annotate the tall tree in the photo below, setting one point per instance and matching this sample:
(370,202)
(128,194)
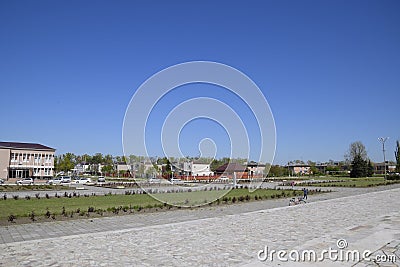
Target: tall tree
(370,169)
(359,167)
(97,158)
(356,149)
(397,154)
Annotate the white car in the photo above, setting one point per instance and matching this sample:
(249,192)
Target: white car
(83,180)
(224,178)
(25,181)
(176,181)
(60,180)
(154,181)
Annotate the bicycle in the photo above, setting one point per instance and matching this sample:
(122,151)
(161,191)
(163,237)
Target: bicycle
(297,200)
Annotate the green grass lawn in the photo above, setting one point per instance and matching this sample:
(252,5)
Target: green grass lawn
(22,207)
(354,182)
(9,188)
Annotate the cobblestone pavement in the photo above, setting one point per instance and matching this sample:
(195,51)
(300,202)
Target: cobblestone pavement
(218,236)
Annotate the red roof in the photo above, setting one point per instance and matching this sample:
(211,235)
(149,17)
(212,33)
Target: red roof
(231,167)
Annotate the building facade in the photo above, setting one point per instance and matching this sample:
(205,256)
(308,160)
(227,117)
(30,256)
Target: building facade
(379,168)
(299,169)
(255,170)
(195,168)
(22,160)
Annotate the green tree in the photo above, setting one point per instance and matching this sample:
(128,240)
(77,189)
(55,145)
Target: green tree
(370,169)
(397,155)
(359,167)
(97,159)
(277,171)
(168,169)
(66,162)
(107,169)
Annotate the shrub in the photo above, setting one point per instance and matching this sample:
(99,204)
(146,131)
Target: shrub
(100,212)
(47,214)
(15,197)
(27,197)
(12,218)
(247,198)
(393,177)
(5,196)
(47,196)
(90,209)
(63,212)
(115,210)
(37,195)
(32,216)
(233,199)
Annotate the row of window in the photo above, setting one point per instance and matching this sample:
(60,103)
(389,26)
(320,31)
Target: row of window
(36,171)
(25,157)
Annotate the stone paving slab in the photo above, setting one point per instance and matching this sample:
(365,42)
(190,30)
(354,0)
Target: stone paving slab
(370,220)
(25,232)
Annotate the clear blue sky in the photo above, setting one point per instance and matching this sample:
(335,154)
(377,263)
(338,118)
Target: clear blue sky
(330,70)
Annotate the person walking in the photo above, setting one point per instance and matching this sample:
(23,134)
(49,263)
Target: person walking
(305,193)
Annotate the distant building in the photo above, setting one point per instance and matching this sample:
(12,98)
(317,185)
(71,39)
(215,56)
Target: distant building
(255,169)
(200,169)
(379,168)
(231,169)
(22,160)
(81,168)
(299,169)
(122,167)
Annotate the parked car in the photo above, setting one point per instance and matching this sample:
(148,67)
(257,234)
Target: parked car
(25,181)
(56,180)
(176,181)
(60,180)
(66,179)
(224,178)
(101,179)
(83,180)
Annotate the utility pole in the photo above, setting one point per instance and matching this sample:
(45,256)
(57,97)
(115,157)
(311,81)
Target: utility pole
(383,140)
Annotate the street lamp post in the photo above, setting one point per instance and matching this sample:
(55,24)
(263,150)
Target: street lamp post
(383,140)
